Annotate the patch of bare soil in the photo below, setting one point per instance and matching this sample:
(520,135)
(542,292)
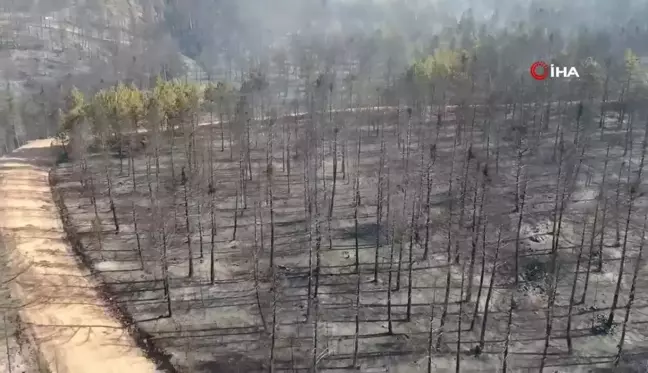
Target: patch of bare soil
(60,304)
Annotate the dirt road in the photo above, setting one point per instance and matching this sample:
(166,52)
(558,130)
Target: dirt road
(61,307)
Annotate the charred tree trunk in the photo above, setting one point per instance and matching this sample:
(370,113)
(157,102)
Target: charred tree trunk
(314,359)
(481,279)
(137,237)
(605,96)
(270,172)
(631,297)
(96,224)
(428,177)
(593,235)
(356,205)
(550,310)
(462,202)
(273,333)
(356,340)
(200,230)
(184,182)
(391,223)
(573,291)
(482,334)
(256,273)
(410,263)
(519,229)
(507,340)
(474,237)
(212,231)
(331,203)
(165,272)
(379,198)
(617,290)
(459,320)
(617,207)
(605,203)
(446,299)
(113,209)
(239,186)
(430,345)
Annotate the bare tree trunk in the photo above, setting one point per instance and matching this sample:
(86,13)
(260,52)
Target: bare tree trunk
(550,309)
(113,210)
(604,98)
(356,205)
(631,297)
(273,333)
(578,118)
(573,291)
(410,265)
(148,179)
(427,204)
(171,152)
(97,225)
(335,163)
(137,237)
(559,129)
(356,341)
(430,345)
(318,243)
(315,335)
(459,320)
(229,136)
(272,219)
(288,156)
(482,334)
(184,182)
(519,229)
(248,147)
(481,278)
(200,229)
(212,231)
(558,201)
(462,203)
(236,209)
(379,198)
(617,207)
(390,237)
(405,160)
(617,290)
(644,145)
(309,219)
(446,299)
(344,160)
(593,235)
(507,340)
(475,234)
(220,114)
(518,174)
(603,220)
(256,273)
(497,149)
(389,281)
(165,272)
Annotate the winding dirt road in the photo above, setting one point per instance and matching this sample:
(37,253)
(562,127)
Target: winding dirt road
(61,308)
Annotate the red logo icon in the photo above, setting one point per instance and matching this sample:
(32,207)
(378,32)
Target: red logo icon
(539,70)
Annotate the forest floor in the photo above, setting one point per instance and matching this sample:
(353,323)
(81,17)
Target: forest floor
(226,326)
(60,307)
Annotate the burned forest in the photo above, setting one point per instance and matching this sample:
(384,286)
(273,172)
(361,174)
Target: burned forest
(365,203)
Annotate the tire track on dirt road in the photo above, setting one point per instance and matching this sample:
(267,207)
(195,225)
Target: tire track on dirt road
(62,310)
